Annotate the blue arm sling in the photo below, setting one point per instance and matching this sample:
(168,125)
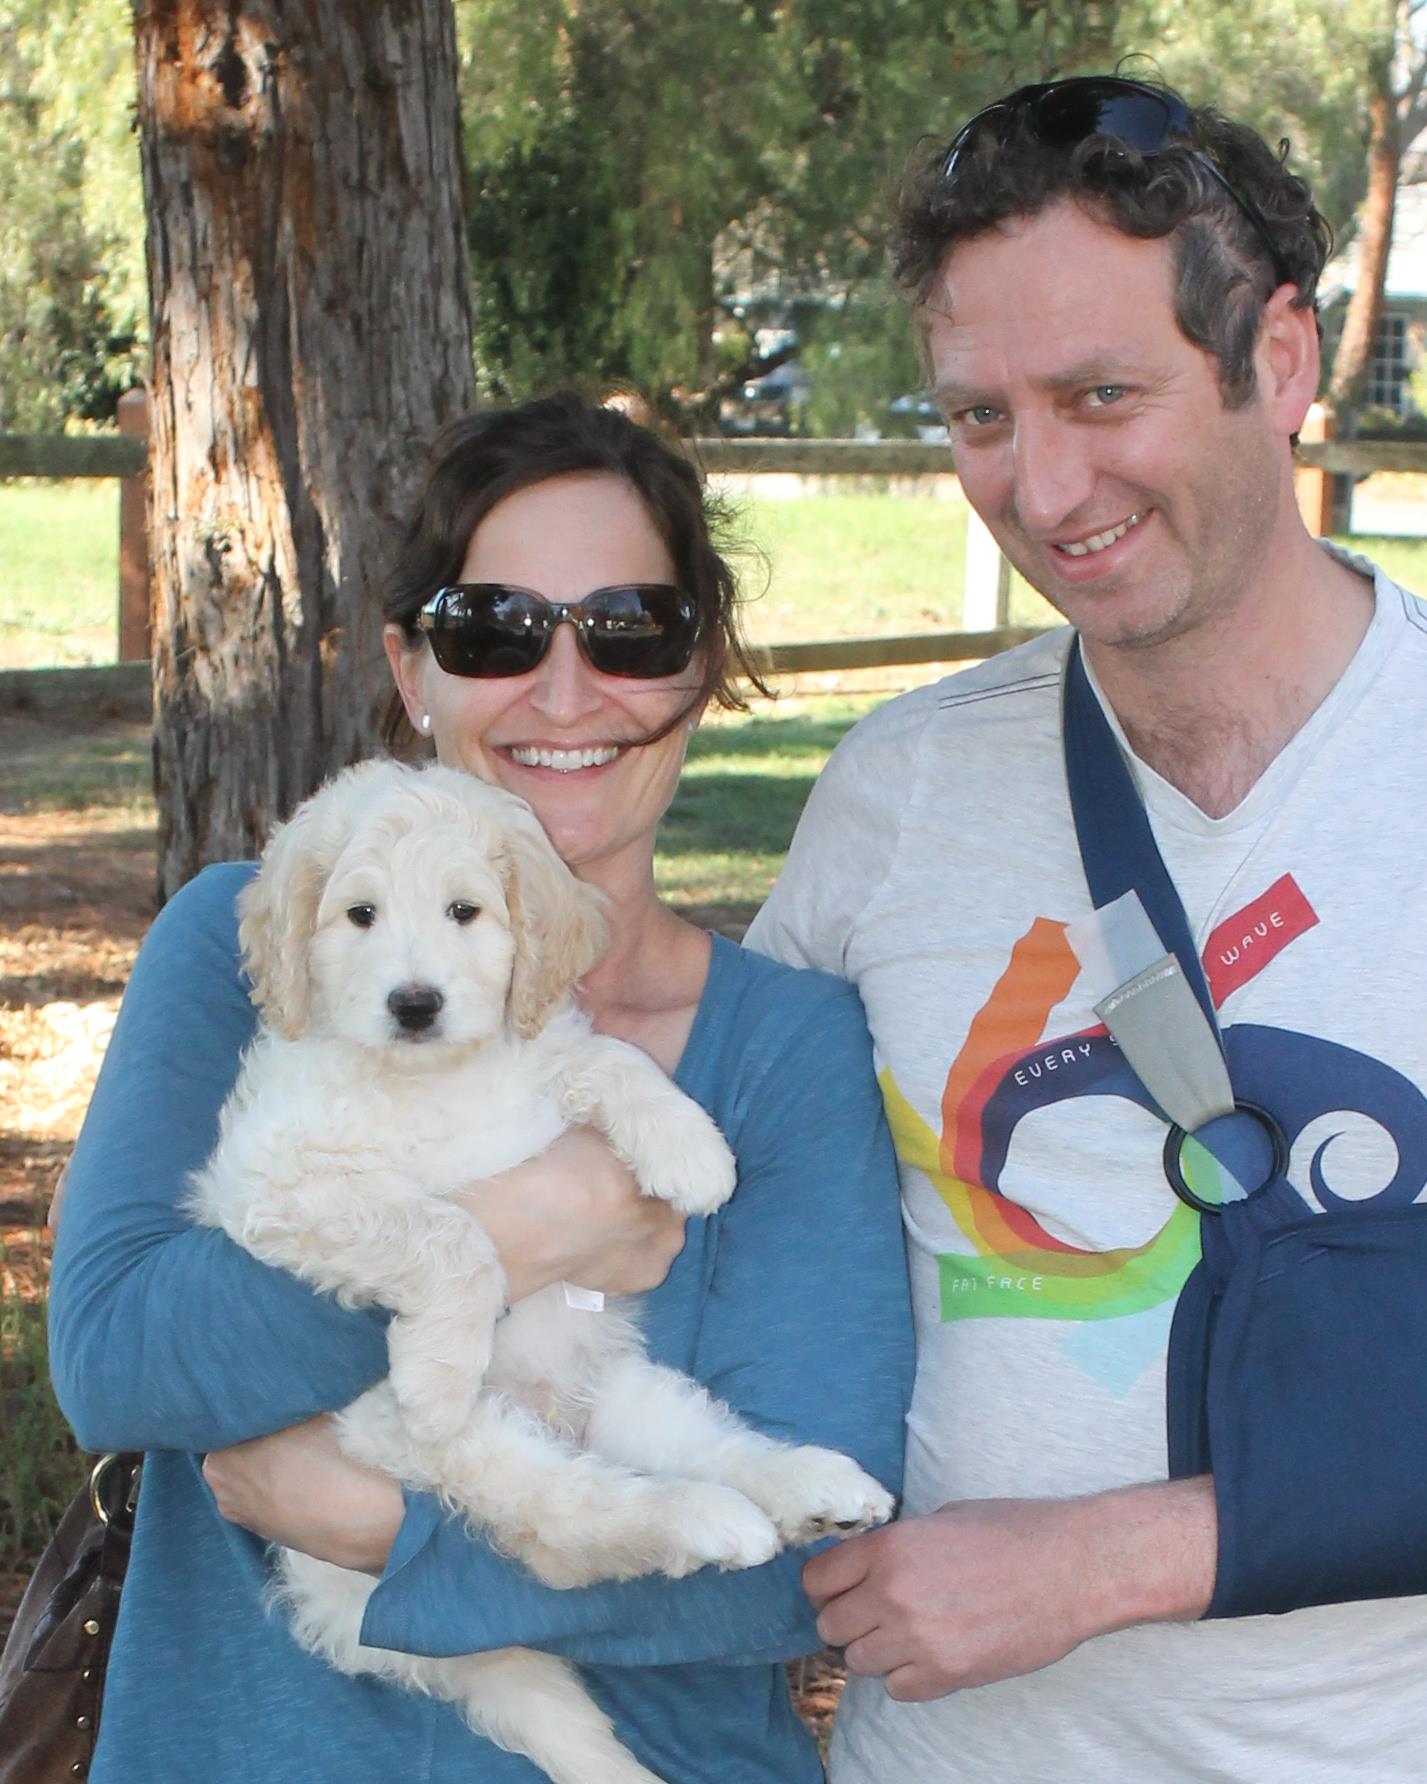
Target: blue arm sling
(1297,1368)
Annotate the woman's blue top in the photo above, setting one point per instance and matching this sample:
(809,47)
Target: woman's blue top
(790,1303)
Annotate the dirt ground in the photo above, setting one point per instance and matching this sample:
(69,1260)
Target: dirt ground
(76,895)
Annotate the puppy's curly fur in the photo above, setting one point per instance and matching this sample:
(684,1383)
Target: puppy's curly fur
(413,941)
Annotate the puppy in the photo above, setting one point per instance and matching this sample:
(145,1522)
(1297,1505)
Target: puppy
(413,941)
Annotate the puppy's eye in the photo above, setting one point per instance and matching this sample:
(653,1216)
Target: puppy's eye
(463,913)
(363,915)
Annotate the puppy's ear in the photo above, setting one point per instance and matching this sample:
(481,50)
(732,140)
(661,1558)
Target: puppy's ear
(557,924)
(277,911)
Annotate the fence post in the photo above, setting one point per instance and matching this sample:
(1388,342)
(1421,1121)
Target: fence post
(987,597)
(1314,487)
(135,629)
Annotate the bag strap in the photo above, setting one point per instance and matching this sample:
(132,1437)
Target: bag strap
(1162,1018)
(1117,846)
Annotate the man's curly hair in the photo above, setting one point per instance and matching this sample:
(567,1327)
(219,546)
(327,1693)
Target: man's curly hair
(1225,274)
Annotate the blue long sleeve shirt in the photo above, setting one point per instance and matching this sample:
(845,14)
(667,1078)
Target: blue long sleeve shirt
(790,1304)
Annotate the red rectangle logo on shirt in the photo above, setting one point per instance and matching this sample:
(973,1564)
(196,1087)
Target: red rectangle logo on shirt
(1243,945)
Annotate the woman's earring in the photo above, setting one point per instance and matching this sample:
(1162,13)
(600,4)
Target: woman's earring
(426,724)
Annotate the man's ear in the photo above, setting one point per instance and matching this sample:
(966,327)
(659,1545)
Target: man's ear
(1288,359)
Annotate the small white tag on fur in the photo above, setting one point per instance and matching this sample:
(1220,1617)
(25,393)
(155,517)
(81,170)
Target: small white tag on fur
(583,1300)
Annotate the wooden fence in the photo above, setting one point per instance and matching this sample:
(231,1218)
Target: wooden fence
(123,455)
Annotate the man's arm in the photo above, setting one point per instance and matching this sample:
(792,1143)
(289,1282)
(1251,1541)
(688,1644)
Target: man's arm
(988,1589)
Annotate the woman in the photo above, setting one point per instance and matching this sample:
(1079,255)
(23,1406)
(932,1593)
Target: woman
(790,1304)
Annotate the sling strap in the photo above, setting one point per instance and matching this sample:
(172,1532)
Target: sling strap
(1162,1016)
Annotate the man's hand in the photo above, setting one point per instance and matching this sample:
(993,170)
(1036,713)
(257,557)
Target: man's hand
(574,1213)
(297,1488)
(988,1589)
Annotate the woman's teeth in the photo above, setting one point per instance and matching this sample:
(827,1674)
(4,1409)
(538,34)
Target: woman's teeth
(565,761)
(1098,541)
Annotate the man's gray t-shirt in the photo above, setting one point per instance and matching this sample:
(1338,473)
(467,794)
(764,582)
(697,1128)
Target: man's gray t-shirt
(936,867)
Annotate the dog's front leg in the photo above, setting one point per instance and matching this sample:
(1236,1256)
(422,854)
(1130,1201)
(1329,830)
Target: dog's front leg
(651,1418)
(671,1145)
(371,1239)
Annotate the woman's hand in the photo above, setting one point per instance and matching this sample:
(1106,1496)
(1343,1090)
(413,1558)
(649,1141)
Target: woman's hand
(298,1489)
(575,1214)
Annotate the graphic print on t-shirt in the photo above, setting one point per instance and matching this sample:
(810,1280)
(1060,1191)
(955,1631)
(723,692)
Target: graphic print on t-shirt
(1007,1068)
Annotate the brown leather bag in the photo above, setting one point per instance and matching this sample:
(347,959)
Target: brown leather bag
(52,1669)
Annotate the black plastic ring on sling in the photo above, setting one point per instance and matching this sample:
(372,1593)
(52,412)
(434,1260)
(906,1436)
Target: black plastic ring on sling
(1174,1157)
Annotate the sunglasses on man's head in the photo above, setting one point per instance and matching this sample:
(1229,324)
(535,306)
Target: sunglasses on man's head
(1130,114)
(489,630)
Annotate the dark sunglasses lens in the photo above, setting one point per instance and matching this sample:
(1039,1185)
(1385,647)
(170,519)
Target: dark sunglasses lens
(639,632)
(489,631)
(1141,120)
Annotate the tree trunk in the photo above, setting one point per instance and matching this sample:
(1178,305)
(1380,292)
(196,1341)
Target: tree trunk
(1360,324)
(311,328)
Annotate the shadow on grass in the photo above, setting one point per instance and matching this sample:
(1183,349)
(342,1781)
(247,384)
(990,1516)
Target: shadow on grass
(760,736)
(47,768)
(734,813)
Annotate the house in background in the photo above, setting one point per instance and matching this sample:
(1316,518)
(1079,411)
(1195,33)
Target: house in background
(1401,342)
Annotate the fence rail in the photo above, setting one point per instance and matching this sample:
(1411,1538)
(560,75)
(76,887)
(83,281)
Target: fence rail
(122,689)
(884,653)
(72,455)
(124,456)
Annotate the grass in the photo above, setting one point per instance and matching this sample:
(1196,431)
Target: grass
(37,1455)
(1405,560)
(82,773)
(739,799)
(59,573)
(862,564)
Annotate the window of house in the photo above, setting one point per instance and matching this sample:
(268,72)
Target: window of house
(1388,367)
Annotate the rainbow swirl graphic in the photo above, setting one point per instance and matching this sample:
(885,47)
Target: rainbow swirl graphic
(1018,1269)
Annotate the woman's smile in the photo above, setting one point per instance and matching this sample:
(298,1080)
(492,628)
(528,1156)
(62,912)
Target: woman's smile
(562,759)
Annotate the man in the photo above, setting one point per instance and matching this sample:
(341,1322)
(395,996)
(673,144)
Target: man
(1116,299)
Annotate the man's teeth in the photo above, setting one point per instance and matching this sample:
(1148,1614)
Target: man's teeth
(565,761)
(1098,541)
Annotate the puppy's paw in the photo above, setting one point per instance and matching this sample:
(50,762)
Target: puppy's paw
(811,1493)
(714,1526)
(694,1172)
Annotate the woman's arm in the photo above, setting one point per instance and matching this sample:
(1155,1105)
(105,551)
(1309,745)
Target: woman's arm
(806,1332)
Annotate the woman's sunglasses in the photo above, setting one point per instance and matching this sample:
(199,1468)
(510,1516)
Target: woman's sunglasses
(490,629)
(1063,114)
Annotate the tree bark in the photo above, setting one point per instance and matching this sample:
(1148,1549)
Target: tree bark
(311,328)
(1360,324)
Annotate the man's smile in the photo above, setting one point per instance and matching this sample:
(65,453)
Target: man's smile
(1103,540)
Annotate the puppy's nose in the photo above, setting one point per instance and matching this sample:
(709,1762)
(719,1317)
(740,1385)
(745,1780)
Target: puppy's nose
(415,1006)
